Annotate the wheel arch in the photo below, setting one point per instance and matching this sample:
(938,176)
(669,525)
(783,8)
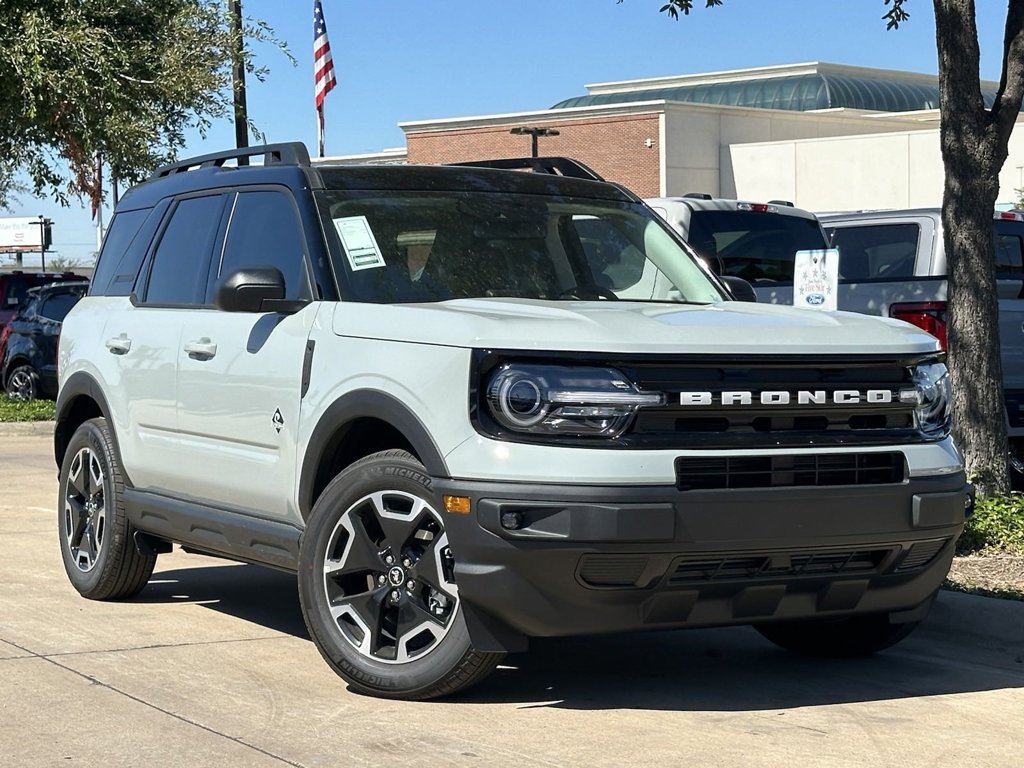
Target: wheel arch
(354,426)
(80,399)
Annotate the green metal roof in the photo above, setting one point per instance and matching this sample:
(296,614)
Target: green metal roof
(795,92)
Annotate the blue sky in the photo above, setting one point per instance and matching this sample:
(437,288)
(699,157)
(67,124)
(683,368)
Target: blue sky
(400,62)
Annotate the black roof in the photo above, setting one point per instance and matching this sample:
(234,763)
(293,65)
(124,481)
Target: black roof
(288,165)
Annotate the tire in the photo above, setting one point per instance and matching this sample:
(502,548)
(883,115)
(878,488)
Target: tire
(377,588)
(96,541)
(23,383)
(852,637)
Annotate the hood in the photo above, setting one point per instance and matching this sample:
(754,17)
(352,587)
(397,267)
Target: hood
(726,328)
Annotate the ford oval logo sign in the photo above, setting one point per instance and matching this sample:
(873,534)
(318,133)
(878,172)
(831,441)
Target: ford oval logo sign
(815,299)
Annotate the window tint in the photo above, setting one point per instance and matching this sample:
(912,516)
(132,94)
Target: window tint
(264,232)
(16,288)
(886,251)
(180,264)
(1009,235)
(759,247)
(56,306)
(124,227)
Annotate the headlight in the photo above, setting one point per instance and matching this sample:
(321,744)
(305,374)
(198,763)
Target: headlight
(930,397)
(560,400)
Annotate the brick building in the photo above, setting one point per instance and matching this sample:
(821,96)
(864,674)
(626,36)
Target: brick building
(826,136)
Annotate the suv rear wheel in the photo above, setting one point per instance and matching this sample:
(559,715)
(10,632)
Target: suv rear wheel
(377,585)
(96,540)
(23,383)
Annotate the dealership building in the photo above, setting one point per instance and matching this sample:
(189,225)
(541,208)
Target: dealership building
(825,136)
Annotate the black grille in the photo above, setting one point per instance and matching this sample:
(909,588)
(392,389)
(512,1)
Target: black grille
(778,565)
(794,424)
(612,570)
(921,554)
(813,470)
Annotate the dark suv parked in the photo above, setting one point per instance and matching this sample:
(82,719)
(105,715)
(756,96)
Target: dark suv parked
(15,285)
(29,342)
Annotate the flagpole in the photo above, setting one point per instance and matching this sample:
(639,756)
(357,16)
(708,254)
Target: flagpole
(323,70)
(320,128)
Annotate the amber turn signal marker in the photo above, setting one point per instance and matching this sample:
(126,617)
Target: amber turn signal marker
(458,505)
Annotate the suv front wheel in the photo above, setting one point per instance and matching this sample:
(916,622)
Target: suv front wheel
(376,581)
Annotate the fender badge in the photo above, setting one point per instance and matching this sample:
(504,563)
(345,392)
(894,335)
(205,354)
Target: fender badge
(278,420)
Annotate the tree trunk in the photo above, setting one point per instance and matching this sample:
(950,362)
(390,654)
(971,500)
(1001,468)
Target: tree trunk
(974,147)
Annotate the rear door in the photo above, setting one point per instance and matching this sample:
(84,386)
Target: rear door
(142,339)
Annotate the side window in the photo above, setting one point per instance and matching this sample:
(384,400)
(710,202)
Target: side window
(16,289)
(882,251)
(265,232)
(113,259)
(57,305)
(181,262)
(1008,256)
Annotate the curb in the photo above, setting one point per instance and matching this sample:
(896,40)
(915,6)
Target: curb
(26,428)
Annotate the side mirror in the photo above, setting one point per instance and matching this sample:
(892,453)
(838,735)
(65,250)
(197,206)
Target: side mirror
(739,288)
(246,290)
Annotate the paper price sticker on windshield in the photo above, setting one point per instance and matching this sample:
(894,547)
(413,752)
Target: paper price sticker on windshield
(359,243)
(816,279)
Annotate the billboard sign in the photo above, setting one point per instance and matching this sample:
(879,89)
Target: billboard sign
(20,233)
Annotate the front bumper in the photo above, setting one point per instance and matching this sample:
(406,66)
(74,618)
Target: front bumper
(545,560)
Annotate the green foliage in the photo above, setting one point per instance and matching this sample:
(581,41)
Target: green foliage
(893,17)
(1002,593)
(33,410)
(997,525)
(121,79)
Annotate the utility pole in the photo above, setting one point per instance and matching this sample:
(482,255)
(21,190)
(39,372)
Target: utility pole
(238,78)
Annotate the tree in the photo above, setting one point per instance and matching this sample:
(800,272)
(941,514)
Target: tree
(119,79)
(974,141)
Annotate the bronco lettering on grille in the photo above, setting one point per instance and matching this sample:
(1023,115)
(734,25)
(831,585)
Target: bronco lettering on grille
(784,397)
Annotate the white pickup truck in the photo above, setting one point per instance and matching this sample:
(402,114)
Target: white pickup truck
(893,263)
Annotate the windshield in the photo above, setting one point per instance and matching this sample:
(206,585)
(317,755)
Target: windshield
(412,246)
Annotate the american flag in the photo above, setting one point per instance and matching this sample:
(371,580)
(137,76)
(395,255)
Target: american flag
(323,66)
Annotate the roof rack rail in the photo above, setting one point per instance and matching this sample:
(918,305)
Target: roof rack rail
(555,166)
(698,196)
(788,203)
(291,153)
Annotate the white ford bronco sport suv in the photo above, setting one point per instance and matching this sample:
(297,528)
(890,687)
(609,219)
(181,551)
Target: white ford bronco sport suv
(472,405)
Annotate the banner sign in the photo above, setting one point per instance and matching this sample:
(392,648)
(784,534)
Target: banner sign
(816,279)
(20,234)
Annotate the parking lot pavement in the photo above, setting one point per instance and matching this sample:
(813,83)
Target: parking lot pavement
(211,666)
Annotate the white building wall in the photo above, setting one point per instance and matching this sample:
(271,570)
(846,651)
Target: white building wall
(892,170)
(699,142)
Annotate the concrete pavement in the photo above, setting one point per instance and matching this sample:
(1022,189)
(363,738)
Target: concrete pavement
(211,666)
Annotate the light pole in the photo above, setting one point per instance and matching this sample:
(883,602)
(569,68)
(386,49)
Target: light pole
(523,130)
(43,222)
(238,78)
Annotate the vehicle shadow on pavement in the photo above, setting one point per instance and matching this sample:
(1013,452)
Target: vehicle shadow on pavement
(968,644)
(261,595)
(734,669)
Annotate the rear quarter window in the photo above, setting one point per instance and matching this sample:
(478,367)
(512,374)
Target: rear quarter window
(123,251)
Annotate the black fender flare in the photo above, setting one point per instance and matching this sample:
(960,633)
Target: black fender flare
(366,404)
(80,384)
